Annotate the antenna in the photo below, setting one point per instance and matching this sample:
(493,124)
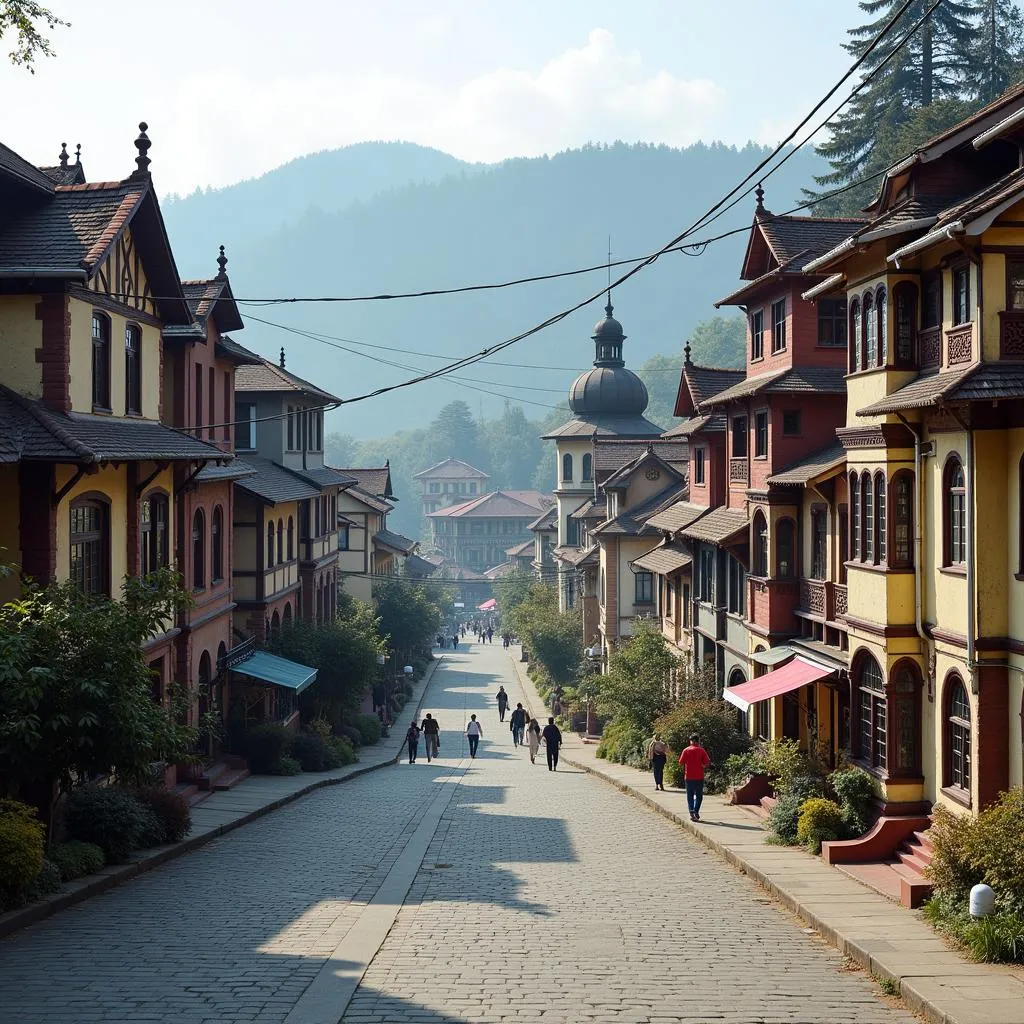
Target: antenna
(609,270)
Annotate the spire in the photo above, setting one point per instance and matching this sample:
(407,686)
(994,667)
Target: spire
(222,264)
(78,153)
(282,357)
(609,308)
(686,354)
(759,195)
(142,144)
(63,156)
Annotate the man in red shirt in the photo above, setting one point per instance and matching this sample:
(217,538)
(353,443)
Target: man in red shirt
(694,760)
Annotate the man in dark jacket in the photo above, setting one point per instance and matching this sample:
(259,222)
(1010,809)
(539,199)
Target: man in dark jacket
(502,698)
(517,723)
(432,735)
(553,740)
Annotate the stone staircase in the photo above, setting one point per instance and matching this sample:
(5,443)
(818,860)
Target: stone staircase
(901,876)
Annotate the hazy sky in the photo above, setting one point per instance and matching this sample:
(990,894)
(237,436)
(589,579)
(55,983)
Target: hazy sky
(232,88)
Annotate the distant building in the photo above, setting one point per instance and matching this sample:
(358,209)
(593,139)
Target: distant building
(476,534)
(448,483)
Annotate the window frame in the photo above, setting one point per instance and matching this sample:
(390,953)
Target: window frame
(881,524)
(1014,260)
(954,514)
(96,539)
(785,535)
(736,590)
(280,542)
(929,282)
(699,467)
(739,429)
(246,424)
(869,349)
(154,553)
(757,335)
(960,282)
(268,551)
(101,362)
(901,520)
(217,545)
(132,369)
(761,434)
(787,427)
(855,518)
(957,778)
(906,297)
(882,329)
(867,516)
(834,312)
(779,309)
(587,470)
(198,550)
(643,584)
(706,563)
(567,467)
(856,335)
(197,412)
(819,542)
(759,545)
(343,537)
(873,699)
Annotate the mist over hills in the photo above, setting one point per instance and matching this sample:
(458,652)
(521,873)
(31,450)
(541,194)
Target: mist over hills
(387,217)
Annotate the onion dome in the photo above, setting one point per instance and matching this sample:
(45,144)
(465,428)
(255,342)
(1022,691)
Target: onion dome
(608,389)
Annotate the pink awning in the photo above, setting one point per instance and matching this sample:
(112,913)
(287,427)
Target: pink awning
(487,606)
(796,673)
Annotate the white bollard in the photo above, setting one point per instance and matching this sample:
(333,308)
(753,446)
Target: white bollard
(982,901)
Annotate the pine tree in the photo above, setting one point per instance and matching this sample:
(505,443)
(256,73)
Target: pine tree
(997,55)
(929,71)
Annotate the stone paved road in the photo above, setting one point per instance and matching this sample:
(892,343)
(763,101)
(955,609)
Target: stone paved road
(542,897)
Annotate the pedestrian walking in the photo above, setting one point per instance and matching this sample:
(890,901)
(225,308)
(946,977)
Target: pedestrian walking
(440,640)
(455,642)
(505,641)
(431,736)
(502,698)
(474,730)
(657,754)
(694,760)
(552,740)
(490,635)
(412,737)
(517,723)
(533,738)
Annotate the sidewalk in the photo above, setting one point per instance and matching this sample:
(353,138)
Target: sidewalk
(887,940)
(224,811)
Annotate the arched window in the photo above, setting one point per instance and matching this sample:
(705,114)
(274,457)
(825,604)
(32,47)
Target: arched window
(101,361)
(882,314)
(198,550)
(880,523)
(275,624)
(132,369)
(856,336)
(205,668)
(872,723)
(280,541)
(760,544)
(288,614)
(855,548)
(870,334)
(217,543)
(785,549)
(867,545)
(291,538)
(901,553)
(90,546)
(154,544)
(588,473)
(270,546)
(958,735)
(955,506)
(905,297)
(566,467)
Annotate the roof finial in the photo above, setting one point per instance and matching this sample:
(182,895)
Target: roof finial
(142,144)
(63,156)
(78,153)
(609,309)
(759,195)
(686,353)
(222,263)
(282,357)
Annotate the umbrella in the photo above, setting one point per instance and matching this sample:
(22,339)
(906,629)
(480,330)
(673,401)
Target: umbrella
(487,606)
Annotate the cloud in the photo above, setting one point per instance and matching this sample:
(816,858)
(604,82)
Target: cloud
(597,92)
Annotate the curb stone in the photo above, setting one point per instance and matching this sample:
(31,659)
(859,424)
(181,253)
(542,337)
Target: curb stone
(81,889)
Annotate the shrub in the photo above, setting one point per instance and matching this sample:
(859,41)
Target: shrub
(996,847)
(624,744)
(740,767)
(715,722)
(265,745)
(855,790)
(46,883)
(171,810)
(998,938)
(782,820)
(369,728)
(21,850)
(674,772)
(342,752)
(311,751)
(820,820)
(783,762)
(285,766)
(352,734)
(111,818)
(952,870)
(75,858)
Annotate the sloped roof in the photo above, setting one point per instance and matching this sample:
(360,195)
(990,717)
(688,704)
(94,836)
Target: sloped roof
(370,500)
(228,348)
(18,169)
(611,454)
(395,541)
(324,476)
(829,380)
(698,383)
(677,516)
(451,469)
(605,426)
(980,382)
(496,504)
(718,526)
(213,297)
(29,430)
(417,566)
(213,473)
(708,424)
(269,377)
(593,508)
(791,236)
(665,559)
(272,483)
(633,521)
(547,520)
(922,391)
(496,572)
(526,548)
(376,481)
(808,468)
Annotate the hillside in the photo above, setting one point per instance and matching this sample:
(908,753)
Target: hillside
(309,229)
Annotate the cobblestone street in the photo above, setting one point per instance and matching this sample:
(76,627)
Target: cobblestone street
(540,897)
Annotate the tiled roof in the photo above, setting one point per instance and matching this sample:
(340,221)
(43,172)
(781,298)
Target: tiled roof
(813,465)
(828,380)
(273,483)
(28,430)
(228,348)
(19,169)
(234,470)
(718,525)
(496,504)
(546,520)
(452,469)
(324,476)
(370,500)
(990,382)
(633,521)
(376,481)
(71,174)
(708,424)
(605,426)
(526,548)
(705,381)
(923,391)
(395,541)
(566,553)
(792,236)
(611,454)
(201,296)
(594,508)
(677,516)
(584,556)
(985,199)
(621,477)
(665,559)
(497,572)
(417,566)
(269,377)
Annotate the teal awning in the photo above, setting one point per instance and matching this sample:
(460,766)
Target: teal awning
(279,671)
(773,655)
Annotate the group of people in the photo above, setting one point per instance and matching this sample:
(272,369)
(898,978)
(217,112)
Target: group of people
(444,641)
(695,761)
(527,730)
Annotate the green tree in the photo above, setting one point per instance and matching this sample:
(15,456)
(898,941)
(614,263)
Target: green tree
(340,450)
(636,688)
(23,18)
(409,619)
(661,376)
(454,432)
(553,638)
(513,448)
(997,51)
(75,689)
(513,590)
(720,341)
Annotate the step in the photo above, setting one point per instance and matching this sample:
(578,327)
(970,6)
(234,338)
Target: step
(914,857)
(925,840)
(767,803)
(882,877)
(914,889)
(209,777)
(231,777)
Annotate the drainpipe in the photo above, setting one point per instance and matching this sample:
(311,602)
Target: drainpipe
(972,666)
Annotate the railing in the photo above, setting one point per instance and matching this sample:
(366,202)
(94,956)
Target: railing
(930,342)
(738,471)
(1011,334)
(812,597)
(839,597)
(959,345)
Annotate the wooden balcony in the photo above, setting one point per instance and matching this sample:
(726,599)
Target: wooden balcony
(840,603)
(1011,334)
(822,600)
(929,341)
(738,471)
(959,345)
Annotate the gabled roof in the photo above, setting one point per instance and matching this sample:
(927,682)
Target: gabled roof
(269,377)
(612,453)
(394,542)
(376,481)
(520,550)
(677,516)
(213,298)
(593,508)
(18,170)
(417,566)
(822,461)
(621,477)
(31,431)
(227,348)
(698,383)
(633,521)
(214,473)
(790,236)
(451,469)
(367,499)
(324,476)
(494,504)
(272,483)
(718,526)
(547,520)
(828,380)
(665,559)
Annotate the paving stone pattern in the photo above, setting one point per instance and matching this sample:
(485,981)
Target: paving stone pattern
(543,897)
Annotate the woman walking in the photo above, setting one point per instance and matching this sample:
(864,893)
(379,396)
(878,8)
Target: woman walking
(657,754)
(474,731)
(533,739)
(412,737)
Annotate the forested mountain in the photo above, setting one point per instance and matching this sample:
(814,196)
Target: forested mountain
(396,217)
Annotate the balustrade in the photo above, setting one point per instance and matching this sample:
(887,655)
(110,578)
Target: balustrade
(959,345)
(738,471)
(1011,334)
(930,344)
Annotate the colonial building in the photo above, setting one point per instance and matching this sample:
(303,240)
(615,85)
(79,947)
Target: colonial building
(449,482)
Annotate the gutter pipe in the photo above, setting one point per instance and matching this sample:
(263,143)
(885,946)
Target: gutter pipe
(956,228)
(972,664)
